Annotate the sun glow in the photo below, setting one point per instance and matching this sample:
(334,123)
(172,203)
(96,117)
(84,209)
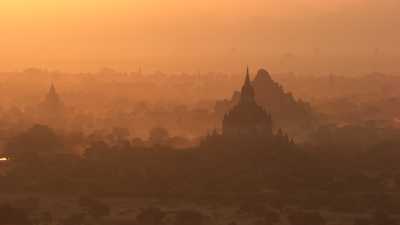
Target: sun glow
(76,35)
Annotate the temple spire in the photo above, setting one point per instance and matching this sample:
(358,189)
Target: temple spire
(247,117)
(247,81)
(52,98)
(247,89)
(52,90)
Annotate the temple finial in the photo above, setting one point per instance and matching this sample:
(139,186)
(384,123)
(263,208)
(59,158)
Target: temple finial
(247,94)
(247,75)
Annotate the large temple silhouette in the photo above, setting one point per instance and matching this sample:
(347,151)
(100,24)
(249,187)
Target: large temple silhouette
(293,115)
(247,123)
(247,118)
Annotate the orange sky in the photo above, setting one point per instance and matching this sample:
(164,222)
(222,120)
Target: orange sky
(176,35)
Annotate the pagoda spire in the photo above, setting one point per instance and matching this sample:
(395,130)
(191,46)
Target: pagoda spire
(52,98)
(247,81)
(247,89)
(52,90)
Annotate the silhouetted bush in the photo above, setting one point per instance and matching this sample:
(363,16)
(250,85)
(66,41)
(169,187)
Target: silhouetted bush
(40,140)
(253,208)
(45,218)
(29,204)
(270,218)
(189,217)
(150,216)
(158,136)
(94,208)
(13,216)
(306,218)
(75,219)
(380,217)
(362,221)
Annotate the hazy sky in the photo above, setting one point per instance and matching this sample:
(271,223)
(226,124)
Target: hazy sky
(207,35)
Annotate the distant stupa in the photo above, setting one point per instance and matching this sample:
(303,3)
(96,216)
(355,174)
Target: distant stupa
(52,107)
(52,101)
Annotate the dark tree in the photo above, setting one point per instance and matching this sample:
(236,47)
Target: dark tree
(94,208)
(74,219)
(38,141)
(10,215)
(381,217)
(45,218)
(362,221)
(158,136)
(150,216)
(189,217)
(306,218)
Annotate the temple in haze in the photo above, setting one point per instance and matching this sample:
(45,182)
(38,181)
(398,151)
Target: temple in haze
(247,118)
(288,113)
(248,124)
(52,102)
(51,110)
